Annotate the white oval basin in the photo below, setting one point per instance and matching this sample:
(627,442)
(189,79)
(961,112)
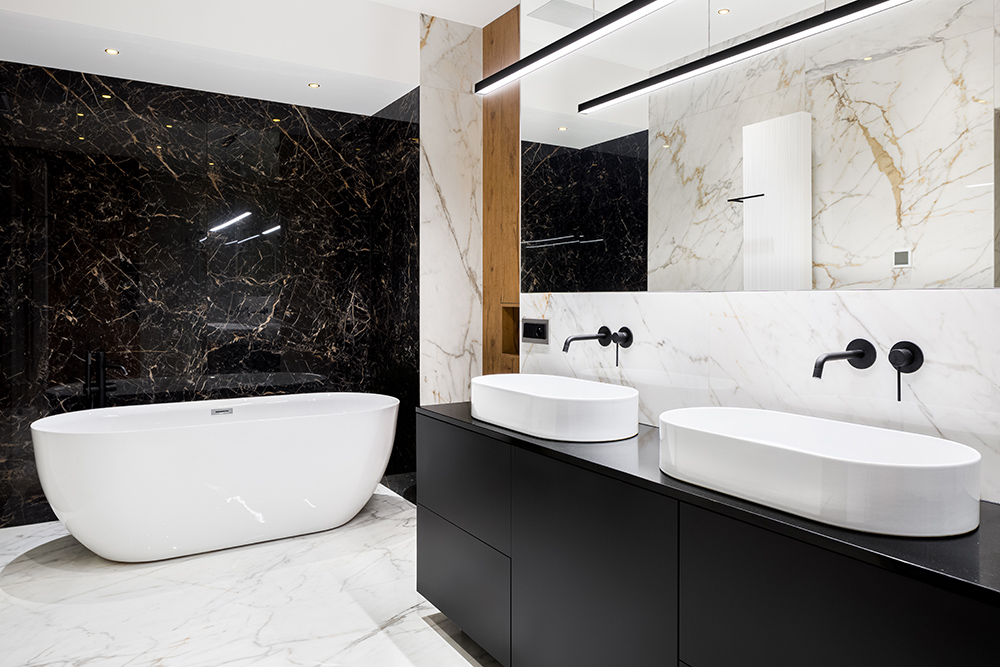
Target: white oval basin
(859,477)
(556,407)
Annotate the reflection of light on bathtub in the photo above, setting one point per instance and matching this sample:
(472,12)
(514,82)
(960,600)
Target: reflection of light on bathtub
(309,503)
(256,515)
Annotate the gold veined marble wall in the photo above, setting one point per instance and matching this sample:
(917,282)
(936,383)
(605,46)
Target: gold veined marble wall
(902,106)
(451,202)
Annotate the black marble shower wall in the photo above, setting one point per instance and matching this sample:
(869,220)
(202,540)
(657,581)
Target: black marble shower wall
(584,216)
(108,190)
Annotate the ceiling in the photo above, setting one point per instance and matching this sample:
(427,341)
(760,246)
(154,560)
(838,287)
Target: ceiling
(363,54)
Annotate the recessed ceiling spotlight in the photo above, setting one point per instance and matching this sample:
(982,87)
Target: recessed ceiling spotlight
(563,129)
(314,85)
(111,52)
(107,97)
(723,12)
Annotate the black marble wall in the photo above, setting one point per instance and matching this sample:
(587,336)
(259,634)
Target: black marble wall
(108,190)
(584,216)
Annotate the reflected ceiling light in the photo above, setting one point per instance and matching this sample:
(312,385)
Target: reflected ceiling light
(314,85)
(106,96)
(202,240)
(852,11)
(562,129)
(79,114)
(276,120)
(867,58)
(229,222)
(169,125)
(211,164)
(272,229)
(111,52)
(249,238)
(80,138)
(619,18)
(723,12)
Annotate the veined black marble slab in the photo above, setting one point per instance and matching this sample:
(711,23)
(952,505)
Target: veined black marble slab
(584,216)
(109,190)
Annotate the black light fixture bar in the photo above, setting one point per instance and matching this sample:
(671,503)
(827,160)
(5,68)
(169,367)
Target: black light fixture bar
(619,18)
(792,33)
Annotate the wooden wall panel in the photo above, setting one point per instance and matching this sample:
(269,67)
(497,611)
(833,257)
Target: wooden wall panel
(501,199)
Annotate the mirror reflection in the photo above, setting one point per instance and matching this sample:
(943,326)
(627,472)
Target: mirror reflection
(900,140)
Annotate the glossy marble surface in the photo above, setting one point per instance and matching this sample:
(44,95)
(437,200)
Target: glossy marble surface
(451,204)
(584,216)
(968,564)
(757,349)
(108,190)
(902,153)
(341,597)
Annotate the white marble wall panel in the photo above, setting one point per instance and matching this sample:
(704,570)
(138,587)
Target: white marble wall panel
(757,349)
(695,235)
(901,149)
(910,26)
(451,196)
(903,127)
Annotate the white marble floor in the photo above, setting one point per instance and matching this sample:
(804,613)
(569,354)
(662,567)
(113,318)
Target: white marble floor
(343,597)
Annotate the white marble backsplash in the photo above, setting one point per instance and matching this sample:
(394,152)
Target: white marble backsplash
(903,144)
(757,349)
(451,198)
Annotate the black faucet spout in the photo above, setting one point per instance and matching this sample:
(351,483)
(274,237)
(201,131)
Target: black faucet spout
(603,336)
(860,353)
(834,356)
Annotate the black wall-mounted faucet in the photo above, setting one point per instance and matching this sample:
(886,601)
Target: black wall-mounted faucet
(621,338)
(860,353)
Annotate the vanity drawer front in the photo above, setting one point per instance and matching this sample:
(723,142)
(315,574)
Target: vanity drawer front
(752,597)
(467,580)
(465,478)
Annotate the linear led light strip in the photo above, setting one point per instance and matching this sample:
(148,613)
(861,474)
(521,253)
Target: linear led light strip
(593,31)
(833,18)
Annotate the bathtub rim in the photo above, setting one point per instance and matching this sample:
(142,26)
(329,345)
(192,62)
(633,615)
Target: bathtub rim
(78,415)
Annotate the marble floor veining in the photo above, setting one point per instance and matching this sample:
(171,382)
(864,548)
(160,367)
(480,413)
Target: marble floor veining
(341,597)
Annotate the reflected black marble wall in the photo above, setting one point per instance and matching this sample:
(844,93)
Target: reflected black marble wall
(109,190)
(584,216)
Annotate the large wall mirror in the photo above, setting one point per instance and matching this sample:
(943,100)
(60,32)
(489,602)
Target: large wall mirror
(637,197)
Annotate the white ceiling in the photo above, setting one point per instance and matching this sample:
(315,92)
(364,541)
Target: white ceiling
(363,54)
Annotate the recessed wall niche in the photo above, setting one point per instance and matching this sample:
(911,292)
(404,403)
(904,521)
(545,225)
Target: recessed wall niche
(112,198)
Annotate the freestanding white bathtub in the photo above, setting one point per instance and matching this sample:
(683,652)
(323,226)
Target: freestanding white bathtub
(149,482)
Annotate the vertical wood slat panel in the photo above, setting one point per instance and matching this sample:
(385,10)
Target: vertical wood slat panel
(501,191)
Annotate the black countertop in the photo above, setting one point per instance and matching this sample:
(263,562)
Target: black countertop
(968,564)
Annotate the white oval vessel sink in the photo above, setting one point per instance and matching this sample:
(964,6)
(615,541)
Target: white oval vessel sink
(860,477)
(556,407)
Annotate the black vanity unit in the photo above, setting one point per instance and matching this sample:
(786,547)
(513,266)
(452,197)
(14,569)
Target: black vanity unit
(549,553)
